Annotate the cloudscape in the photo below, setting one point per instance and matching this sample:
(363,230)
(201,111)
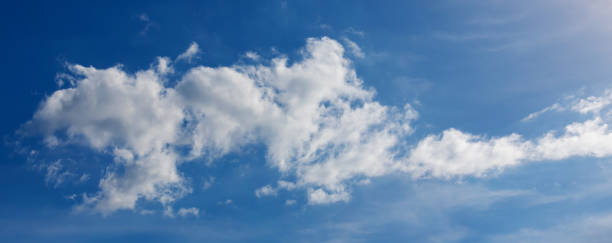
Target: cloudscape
(292,121)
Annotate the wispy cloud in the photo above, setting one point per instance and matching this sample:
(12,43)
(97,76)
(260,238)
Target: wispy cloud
(354,31)
(593,228)
(353,48)
(148,23)
(190,53)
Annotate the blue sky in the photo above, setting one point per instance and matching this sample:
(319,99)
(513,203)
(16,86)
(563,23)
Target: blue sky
(302,121)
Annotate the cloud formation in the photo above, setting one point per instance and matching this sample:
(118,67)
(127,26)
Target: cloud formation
(317,120)
(319,124)
(190,53)
(456,153)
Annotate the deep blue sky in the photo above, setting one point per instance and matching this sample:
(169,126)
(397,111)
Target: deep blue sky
(476,67)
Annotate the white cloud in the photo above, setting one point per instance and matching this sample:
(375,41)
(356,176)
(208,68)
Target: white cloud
(190,53)
(287,185)
(266,190)
(152,177)
(164,65)
(63,78)
(56,174)
(131,116)
(290,202)
(302,112)
(588,105)
(593,104)
(589,138)
(354,48)
(320,196)
(455,153)
(531,116)
(252,55)
(184,212)
(318,123)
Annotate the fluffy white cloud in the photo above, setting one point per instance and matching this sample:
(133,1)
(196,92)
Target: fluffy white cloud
(164,65)
(455,153)
(588,138)
(593,104)
(134,117)
(318,123)
(314,116)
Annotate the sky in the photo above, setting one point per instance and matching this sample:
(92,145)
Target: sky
(306,121)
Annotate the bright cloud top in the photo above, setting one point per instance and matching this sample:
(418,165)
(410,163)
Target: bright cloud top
(319,124)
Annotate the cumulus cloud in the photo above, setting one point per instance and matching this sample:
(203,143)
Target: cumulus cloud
(133,117)
(455,153)
(319,124)
(314,115)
